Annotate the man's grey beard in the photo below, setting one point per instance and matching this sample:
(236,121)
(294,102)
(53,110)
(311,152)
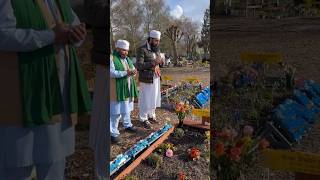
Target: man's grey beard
(123,56)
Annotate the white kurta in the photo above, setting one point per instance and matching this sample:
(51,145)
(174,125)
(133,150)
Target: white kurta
(42,144)
(121,107)
(149,98)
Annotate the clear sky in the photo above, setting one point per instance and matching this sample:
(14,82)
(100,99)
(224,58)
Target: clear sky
(193,9)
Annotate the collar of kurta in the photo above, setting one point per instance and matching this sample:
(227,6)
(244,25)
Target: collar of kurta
(148,46)
(117,61)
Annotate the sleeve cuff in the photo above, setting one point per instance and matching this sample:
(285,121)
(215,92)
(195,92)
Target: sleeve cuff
(49,37)
(125,73)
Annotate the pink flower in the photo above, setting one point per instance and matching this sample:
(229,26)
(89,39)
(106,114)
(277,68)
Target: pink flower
(248,130)
(169,153)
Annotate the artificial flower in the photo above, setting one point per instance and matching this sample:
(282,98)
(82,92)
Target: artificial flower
(219,149)
(248,130)
(169,153)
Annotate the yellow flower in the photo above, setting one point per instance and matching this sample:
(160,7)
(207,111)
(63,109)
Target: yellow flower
(246,140)
(208,134)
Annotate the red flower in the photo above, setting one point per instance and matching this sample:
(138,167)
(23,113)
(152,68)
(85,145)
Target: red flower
(219,149)
(240,144)
(264,144)
(235,153)
(181,176)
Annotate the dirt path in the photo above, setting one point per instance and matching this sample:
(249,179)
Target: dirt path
(297,39)
(179,74)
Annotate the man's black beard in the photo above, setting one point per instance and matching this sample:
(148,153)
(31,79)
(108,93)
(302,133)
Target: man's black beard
(154,48)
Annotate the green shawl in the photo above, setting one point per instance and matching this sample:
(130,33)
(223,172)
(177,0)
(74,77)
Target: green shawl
(122,89)
(39,82)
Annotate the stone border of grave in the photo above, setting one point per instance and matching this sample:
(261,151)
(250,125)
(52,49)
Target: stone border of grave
(147,150)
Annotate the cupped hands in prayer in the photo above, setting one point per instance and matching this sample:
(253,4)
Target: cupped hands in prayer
(159,60)
(65,34)
(131,72)
(78,33)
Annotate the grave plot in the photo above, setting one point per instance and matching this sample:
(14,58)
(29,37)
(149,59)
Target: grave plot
(254,110)
(184,155)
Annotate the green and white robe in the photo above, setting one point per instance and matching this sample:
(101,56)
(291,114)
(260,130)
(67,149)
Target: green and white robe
(56,89)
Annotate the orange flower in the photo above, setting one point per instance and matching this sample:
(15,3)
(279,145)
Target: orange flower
(195,154)
(219,149)
(178,107)
(235,153)
(264,144)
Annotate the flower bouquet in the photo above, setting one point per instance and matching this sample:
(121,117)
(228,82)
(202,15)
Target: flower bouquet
(234,154)
(182,110)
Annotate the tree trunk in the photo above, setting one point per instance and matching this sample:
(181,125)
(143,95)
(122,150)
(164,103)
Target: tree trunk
(175,53)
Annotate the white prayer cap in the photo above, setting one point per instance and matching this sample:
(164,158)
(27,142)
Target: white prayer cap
(123,44)
(155,34)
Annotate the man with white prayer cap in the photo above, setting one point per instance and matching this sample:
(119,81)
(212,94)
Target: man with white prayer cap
(123,89)
(148,61)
